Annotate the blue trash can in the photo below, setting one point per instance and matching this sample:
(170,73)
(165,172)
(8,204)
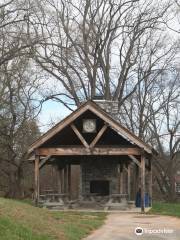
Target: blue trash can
(138,199)
(146,199)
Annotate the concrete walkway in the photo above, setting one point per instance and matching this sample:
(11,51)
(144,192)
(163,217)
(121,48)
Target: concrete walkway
(121,226)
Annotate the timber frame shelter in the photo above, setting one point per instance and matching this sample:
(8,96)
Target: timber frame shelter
(67,144)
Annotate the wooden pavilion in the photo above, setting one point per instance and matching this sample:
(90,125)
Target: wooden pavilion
(114,163)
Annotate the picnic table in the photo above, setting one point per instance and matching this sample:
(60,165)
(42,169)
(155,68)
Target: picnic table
(50,198)
(117,200)
(118,197)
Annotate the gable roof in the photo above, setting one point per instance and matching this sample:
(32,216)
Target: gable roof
(93,107)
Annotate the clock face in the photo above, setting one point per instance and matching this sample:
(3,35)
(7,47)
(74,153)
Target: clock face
(89,125)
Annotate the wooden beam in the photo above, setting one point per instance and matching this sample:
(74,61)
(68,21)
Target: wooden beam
(98,136)
(150,182)
(36,178)
(129,182)
(79,135)
(59,179)
(80,183)
(142,183)
(136,179)
(86,151)
(65,179)
(62,183)
(121,179)
(69,181)
(135,160)
(43,161)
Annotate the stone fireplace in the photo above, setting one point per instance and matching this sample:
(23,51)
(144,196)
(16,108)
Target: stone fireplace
(99,176)
(99,187)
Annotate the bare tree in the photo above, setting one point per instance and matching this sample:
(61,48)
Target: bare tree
(92,46)
(153,114)
(15,30)
(17,124)
(165,133)
(152,63)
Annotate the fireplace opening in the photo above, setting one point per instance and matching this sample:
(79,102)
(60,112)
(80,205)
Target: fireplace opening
(99,187)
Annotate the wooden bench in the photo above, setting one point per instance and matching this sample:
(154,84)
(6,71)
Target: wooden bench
(117,201)
(51,200)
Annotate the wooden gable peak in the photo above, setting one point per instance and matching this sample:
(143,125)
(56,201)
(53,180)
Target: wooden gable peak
(98,111)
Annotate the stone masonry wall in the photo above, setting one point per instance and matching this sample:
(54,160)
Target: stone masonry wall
(99,169)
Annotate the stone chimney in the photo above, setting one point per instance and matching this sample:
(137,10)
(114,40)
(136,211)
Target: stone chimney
(111,107)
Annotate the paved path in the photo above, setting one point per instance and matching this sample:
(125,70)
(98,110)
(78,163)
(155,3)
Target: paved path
(121,226)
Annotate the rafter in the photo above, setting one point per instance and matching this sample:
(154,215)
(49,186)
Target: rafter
(134,159)
(79,135)
(44,160)
(98,136)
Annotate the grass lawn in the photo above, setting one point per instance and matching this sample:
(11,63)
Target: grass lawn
(171,209)
(21,221)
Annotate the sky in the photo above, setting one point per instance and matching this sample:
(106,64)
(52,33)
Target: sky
(52,112)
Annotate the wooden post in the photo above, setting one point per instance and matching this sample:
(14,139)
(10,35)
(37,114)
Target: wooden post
(36,178)
(65,179)
(53,177)
(136,179)
(59,176)
(69,181)
(150,182)
(121,179)
(129,182)
(142,183)
(62,180)
(80,184)
(118,178)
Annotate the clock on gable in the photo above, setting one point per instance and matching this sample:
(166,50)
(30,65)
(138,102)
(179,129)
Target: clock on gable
(89,125)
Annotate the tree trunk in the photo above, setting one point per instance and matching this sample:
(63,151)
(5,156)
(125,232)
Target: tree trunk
(172,192)
(15,184)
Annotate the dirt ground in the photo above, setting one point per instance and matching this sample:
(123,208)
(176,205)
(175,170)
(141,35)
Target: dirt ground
(121,226)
